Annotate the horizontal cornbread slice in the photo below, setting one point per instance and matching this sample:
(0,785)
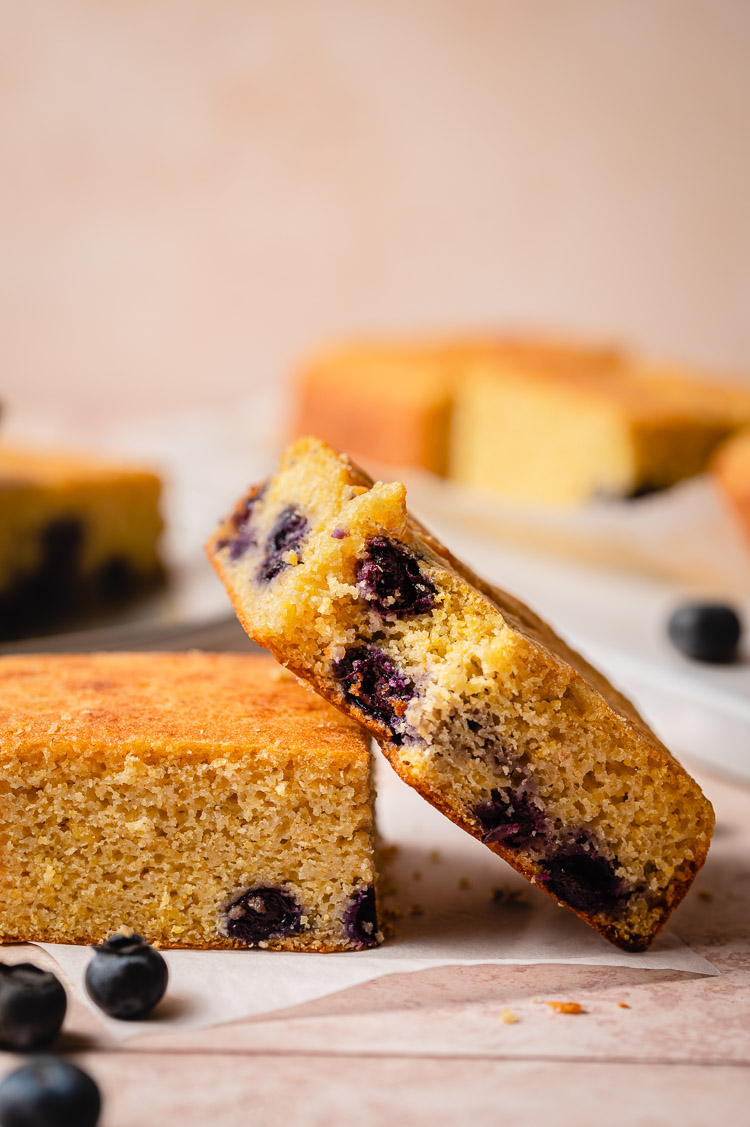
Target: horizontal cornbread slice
(77,536)
(205,800)
(475,701)
(558,434)
(392,402)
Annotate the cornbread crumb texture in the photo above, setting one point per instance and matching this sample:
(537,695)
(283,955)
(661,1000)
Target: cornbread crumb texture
(76,535)
(531,418)
(195,797)
(475,701)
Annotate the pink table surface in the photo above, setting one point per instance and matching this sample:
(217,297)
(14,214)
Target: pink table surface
(431,1047)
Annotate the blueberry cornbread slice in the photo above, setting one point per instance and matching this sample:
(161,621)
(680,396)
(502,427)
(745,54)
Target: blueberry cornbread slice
(475,701)
(392,402)
(731,473)
(77,536)
(561,434)
(205,800)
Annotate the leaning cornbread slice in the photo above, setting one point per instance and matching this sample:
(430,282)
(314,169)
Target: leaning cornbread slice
(77,536)
(205,800)
(560,434)
(475,701)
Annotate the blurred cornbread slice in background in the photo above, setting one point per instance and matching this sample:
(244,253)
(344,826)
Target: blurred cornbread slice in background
(205,800)
(77,536)
(389,403)
(731,469)
(561,434)
(393,402)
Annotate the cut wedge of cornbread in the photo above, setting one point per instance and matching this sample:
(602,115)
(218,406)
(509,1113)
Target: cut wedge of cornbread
(393,402)
(77,536)
(205,800)
(475,701)
(558,434)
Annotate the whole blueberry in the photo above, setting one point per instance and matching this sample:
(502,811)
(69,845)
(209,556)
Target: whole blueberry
(126,977)
(49,1092)
(32,1007)
(706,631)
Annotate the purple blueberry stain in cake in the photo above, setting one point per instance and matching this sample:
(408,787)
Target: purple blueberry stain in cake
(584,880)
(339,533)
(263,913)
(390,579)
(286,535)
(361,919)
(243,536)
(514,821)
(375,686)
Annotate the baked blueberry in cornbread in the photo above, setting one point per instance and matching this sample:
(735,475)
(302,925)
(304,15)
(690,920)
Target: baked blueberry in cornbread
(204,800)
(77,536)
(474,700)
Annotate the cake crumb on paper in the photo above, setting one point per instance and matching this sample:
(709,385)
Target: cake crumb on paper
(704,894)
(508,1017)
(623,1005)
(566,1007)
(464,883)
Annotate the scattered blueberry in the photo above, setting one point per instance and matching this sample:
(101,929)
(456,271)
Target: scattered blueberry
(361,918)
(373,684)
(32,1007)
(126,977)
(49,1092)
(288,532)
(515,821)
(706,631)
(390,579)
(263,913)
(585,881)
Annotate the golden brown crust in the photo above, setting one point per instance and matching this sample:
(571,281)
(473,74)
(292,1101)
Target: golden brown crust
(159,704)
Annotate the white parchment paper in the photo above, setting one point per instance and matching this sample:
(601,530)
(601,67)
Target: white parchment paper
(453,904)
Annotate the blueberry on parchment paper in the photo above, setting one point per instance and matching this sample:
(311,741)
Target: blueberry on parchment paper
(32,1007)
(126,977)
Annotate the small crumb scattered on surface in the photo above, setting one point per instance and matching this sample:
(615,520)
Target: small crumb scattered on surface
(416,910)
(416,875)
(464,883)
(434,854)
(623,1005)
(508,1016)
(566,1007)
(704,894)
(280,673)
(394,913)
(388,853)
(123,929)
